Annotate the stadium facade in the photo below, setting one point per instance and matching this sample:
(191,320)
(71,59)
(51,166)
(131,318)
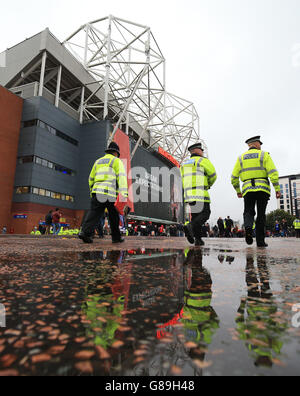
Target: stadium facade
(57,117)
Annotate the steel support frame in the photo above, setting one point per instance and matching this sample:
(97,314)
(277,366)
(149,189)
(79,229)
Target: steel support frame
(127,63)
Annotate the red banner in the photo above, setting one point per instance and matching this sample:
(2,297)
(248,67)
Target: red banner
(122,141)
(169,157)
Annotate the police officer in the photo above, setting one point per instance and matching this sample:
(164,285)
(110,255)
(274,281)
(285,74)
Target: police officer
(296,225)
(255,167)
(107,180)
(198,176)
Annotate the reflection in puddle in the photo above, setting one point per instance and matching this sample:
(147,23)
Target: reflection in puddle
(149,312)
(258,322)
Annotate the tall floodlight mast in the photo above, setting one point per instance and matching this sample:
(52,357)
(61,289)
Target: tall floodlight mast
(130,73)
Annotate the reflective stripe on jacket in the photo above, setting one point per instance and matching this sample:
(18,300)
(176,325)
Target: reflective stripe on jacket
(108,177)
(198,176)
(255,168)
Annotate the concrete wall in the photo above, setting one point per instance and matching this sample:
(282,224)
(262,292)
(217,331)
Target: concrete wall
(40,142)
(93,142)
(10,119)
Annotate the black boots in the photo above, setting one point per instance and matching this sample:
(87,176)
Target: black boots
(85,238)
(249,236)
(189,234)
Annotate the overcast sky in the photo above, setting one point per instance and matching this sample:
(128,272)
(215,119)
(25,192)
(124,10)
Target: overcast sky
(237,60)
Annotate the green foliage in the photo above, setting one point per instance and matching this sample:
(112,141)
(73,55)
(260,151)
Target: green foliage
(279,215)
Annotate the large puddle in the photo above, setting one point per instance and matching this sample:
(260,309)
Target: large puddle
(141,313)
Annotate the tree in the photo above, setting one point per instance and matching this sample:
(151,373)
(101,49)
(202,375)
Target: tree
(279,215)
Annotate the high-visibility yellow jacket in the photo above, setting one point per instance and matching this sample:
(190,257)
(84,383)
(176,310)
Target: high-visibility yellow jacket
(108,177)
(297,224)
(198,176)
(199,318)
(255,168)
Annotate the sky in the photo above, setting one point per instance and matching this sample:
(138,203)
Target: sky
(237,60)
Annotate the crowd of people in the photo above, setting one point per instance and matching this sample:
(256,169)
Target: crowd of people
(51,225)
(225,228)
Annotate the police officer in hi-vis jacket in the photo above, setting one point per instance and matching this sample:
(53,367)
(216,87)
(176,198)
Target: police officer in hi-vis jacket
(256,169)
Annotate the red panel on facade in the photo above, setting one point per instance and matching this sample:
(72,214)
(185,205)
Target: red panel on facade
(122,141)
(10,122)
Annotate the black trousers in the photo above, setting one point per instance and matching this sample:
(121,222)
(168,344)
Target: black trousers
(297,233)
(96,212)
(260,200)
(199,219)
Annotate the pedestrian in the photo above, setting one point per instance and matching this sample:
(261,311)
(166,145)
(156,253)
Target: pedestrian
(277,229)
(56,215)
(4,230)
(48,222)
(296,225)
(198,176)
(229,226)
(107,180)
(284,227)
(221,227)
(215,231)
(42,229)
(100,227)
(255,167)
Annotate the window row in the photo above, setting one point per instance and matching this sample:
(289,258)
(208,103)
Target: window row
(44,193)
(46,163)
(53,131)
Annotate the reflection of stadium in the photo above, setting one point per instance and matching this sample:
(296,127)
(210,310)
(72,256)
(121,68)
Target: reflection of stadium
(107,81)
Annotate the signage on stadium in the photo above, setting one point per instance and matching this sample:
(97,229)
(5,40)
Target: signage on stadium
(168,156)
(20,216)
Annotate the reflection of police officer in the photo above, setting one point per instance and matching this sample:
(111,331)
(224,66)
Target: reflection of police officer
(200,319)
(256,321)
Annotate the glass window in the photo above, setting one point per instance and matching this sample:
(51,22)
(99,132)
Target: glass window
(22,190)
(48,193)
(25,160)
(35,191)
(38,160)
(45,163)
(42,192)
(41,124)
(28,124)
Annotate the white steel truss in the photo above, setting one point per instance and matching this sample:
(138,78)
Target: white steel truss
(130,73)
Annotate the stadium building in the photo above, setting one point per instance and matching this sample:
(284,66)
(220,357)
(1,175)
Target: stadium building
(62,103)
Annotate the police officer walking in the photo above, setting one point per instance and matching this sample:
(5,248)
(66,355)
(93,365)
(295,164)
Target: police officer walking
(255,167)
(198,176)
(107,180)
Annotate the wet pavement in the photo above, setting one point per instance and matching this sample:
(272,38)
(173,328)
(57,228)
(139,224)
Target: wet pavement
(222,310)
